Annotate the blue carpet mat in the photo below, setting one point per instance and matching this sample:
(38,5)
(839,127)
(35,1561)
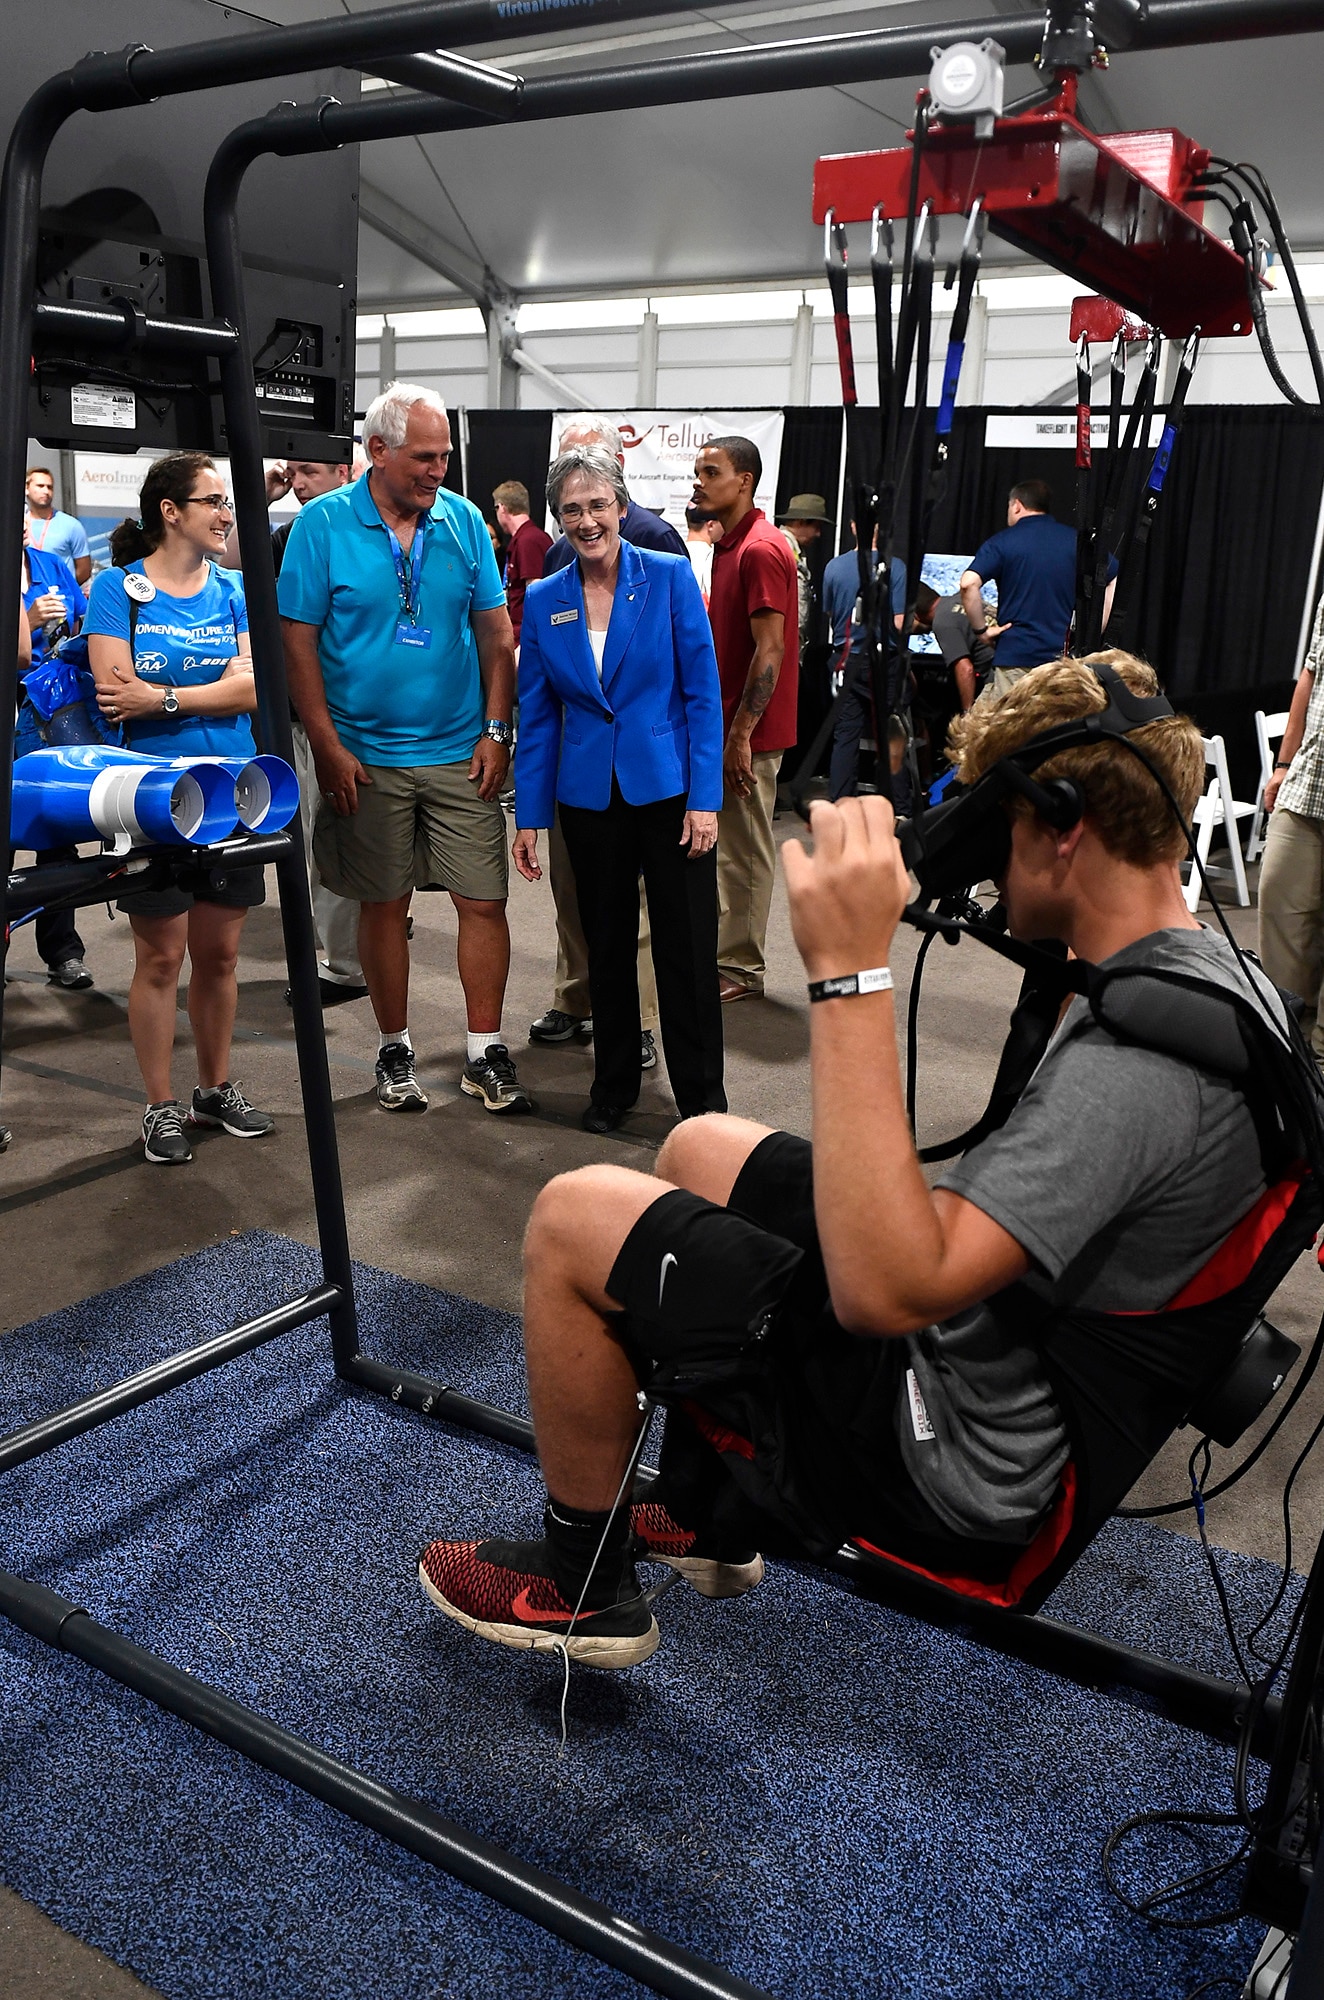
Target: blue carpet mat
(824,1796)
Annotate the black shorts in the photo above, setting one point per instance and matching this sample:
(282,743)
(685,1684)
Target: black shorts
(232,888)
(727,1321)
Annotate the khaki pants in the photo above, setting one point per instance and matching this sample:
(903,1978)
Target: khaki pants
(571,995)
(1001,681)
(1292,913)
(335,918)
(746,868)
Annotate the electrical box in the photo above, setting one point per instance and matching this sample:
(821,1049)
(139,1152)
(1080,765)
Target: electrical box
(122,221)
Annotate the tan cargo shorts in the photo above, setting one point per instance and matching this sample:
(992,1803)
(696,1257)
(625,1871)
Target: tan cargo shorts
(421,826)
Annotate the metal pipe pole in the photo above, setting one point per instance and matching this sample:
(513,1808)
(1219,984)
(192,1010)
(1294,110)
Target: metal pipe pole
(244,441)
(93,1411)
(588,1925)
(818,62)
(20,205)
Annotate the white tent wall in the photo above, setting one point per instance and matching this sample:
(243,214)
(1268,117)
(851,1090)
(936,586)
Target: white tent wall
(734,349)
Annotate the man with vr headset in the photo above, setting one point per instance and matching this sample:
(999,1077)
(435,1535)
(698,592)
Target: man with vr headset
(831,1335)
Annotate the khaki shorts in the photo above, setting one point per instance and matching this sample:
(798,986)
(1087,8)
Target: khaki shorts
(415,828)
(1001,681)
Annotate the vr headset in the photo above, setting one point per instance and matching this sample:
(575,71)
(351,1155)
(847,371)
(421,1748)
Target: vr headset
(967,839)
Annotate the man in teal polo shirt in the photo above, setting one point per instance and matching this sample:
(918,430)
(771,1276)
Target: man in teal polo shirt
(401,664)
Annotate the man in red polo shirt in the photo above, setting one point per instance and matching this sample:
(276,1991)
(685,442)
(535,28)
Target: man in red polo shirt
(754,607)
(527,545)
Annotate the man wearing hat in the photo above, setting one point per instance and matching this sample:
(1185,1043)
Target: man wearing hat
(803,522)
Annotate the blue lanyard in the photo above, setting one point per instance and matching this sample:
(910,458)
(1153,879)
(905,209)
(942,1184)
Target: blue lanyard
(409,578)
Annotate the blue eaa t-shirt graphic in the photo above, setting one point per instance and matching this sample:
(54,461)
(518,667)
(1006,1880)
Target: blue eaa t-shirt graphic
(179,642)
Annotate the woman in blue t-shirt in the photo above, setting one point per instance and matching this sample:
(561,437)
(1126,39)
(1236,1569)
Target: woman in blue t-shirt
(178,678)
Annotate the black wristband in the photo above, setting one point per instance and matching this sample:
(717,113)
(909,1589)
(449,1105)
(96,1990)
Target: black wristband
(1283,764)
(878,980)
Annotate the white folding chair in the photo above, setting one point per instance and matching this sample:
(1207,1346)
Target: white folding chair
(1269,733)
(1218,808)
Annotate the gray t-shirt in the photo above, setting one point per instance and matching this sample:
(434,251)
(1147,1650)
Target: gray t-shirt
(1120,1171)
(957,637)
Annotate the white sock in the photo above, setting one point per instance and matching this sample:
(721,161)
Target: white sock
(399,1035)
(479,1044)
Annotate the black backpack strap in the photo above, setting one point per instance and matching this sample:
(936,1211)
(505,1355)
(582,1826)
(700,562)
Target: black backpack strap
(1033,1020)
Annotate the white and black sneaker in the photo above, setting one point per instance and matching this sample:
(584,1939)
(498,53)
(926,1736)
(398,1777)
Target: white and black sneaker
(555,1027)
(493,1079)
(72,975)
(398,1089)
(647,1050)
(225,1105)
(165,1142)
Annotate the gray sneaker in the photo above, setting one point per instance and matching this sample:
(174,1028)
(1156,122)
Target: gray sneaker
(73,975)
(398,1089)
(165,1142)
(494,1080)
(226,1106)
(554,1026)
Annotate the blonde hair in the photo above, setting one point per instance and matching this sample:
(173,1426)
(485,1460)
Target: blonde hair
(1123,802)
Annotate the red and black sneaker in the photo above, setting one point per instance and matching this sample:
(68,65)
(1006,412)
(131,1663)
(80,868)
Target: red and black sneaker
(660,1538)
(505,1591)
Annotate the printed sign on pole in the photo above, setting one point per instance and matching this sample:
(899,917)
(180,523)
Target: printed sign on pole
(660,448)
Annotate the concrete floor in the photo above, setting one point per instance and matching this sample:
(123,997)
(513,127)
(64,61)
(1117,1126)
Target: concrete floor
(441,1199)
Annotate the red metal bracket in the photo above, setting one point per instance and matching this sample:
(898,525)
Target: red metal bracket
(1122,213)
(1100,320)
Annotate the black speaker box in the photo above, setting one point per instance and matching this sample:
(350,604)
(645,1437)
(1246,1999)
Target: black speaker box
(122,219)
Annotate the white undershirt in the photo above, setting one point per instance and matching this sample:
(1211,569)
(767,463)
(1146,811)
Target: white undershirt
(598,641)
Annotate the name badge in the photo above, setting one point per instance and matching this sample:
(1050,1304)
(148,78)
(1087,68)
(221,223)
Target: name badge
(412,635)
(139,587)
(564,617)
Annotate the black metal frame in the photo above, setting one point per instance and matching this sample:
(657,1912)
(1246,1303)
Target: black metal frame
(459,94)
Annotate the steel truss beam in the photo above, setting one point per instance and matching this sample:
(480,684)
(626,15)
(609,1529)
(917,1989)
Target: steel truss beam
(388,41)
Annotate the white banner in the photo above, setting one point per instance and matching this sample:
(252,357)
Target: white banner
(660,449)
(1051,432)
(107,482)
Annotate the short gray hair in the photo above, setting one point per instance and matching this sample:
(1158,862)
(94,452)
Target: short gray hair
(594,461)
(585,420)
(388,414)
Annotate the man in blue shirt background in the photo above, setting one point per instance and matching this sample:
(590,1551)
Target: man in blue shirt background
(52,599)
(841,590)
(51,530)
(1033,562)
(53,607)
(401,664)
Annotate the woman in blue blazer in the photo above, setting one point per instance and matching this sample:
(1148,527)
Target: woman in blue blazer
(620,725)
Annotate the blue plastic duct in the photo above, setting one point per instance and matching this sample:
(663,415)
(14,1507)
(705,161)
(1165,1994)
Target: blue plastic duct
(266,790)
(93,791)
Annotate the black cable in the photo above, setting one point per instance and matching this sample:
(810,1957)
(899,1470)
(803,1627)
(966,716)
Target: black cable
(1253,177)
(1280,1592)
(100,371)
(912,1027)
(1248,182)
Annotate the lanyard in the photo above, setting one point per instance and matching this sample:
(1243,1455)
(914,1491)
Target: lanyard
(410,576)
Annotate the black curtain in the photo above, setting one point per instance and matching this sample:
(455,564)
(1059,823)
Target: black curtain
(1215,598)
(508,444)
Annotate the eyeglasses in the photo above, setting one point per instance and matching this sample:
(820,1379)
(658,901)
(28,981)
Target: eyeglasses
(220,503)
(598,510)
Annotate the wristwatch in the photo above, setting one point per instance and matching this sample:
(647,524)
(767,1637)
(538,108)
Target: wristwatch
(499,732)
(170,701)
